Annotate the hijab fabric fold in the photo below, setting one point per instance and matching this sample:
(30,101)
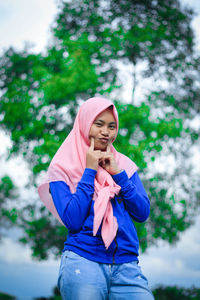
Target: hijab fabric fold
(69,163)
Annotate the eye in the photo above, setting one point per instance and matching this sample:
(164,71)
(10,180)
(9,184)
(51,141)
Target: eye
(98,124)
(112,126)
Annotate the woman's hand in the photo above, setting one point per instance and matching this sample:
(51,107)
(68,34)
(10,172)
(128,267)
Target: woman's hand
(106,159)
(93,156)
(108,162)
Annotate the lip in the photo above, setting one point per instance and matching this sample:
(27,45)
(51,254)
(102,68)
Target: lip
(104,140)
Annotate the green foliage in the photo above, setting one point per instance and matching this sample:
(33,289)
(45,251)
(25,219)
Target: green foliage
(56,295)
(176,293)
(41,94)
(4,296)
(160,293)
(144,134)
(139,30)
(8,193)
(155,33)
(42,232)
(6,188)
(145,137)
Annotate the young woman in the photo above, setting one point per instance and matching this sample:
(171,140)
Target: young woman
(95,192)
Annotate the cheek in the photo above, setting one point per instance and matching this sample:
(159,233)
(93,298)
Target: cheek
(92,132)
(114,135)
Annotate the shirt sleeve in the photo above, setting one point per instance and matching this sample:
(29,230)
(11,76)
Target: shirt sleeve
(134,196)
(73,208)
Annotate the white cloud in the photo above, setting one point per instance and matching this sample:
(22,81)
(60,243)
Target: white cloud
(23,277)
(5,143)
(12,252)
(22,21)
(178,264)
(16,167)
(194,4)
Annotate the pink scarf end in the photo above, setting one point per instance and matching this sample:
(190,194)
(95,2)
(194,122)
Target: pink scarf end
(108,236)
(108,232)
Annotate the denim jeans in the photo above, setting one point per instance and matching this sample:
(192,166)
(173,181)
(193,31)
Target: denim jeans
(82,279)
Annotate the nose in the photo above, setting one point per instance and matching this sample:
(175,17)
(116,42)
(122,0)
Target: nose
(104,131)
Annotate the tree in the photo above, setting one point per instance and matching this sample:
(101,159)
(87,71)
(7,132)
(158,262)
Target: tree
(41,94)
(156,33)
(175,293)
(8,193)
(56,295)
(5,296)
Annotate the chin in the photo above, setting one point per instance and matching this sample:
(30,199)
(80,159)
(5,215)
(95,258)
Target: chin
(100,147)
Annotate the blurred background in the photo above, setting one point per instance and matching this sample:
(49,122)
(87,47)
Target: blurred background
(143,55)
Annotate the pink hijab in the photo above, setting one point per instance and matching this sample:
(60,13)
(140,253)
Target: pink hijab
(69,162)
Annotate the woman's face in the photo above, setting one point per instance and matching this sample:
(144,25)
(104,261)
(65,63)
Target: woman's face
(103,129)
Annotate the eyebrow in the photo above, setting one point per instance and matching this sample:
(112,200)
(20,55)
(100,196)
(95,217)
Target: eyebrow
(99,120)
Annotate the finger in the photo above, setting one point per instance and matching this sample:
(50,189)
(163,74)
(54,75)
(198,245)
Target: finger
(92,143)
(108,148)
(106,157)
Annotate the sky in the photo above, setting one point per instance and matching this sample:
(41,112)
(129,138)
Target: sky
(24,21)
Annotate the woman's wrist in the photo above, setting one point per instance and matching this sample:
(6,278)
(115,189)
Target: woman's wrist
(117,172)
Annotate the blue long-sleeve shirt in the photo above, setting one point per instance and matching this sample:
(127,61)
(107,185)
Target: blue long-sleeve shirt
(77,213)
